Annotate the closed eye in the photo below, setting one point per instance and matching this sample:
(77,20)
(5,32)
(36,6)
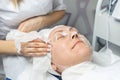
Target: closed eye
(60,37)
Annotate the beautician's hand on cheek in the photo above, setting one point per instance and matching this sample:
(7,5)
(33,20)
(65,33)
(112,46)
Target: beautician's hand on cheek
(34,48)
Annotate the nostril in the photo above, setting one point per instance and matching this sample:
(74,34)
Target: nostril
(74,35)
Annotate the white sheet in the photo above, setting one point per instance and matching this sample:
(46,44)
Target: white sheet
(94,73)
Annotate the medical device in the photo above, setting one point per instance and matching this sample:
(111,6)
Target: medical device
(101,26)
(116,13)
(106,33)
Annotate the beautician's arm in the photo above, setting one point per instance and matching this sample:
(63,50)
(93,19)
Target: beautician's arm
(32,48)
(39,22)
(7,47)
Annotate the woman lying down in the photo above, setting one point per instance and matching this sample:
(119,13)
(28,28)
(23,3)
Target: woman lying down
(70,57)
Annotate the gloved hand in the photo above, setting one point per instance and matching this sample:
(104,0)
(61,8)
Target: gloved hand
(28,44)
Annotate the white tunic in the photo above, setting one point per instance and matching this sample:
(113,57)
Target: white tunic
(10,18)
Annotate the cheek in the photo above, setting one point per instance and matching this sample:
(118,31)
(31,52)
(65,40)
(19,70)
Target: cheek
(59,48)
(60,54)
(84,54)
(81,49)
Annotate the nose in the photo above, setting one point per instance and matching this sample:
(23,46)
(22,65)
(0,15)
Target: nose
(74,35)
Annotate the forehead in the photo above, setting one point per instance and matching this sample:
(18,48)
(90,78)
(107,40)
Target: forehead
(60,29)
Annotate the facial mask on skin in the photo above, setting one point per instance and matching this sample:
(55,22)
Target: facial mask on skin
(82,38)
(45,34)
(63,34)
(63,67)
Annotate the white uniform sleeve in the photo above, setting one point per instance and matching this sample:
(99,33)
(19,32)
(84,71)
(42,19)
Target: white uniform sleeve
(58,5)
(3,31)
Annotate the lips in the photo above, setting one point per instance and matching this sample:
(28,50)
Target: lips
(76,44)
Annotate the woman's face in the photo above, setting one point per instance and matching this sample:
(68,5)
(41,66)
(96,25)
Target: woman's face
(68,48)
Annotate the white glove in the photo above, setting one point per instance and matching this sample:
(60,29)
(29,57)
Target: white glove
(21,37)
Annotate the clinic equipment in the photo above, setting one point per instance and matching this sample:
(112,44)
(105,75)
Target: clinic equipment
(106,29)
(116,13)
(101,21)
